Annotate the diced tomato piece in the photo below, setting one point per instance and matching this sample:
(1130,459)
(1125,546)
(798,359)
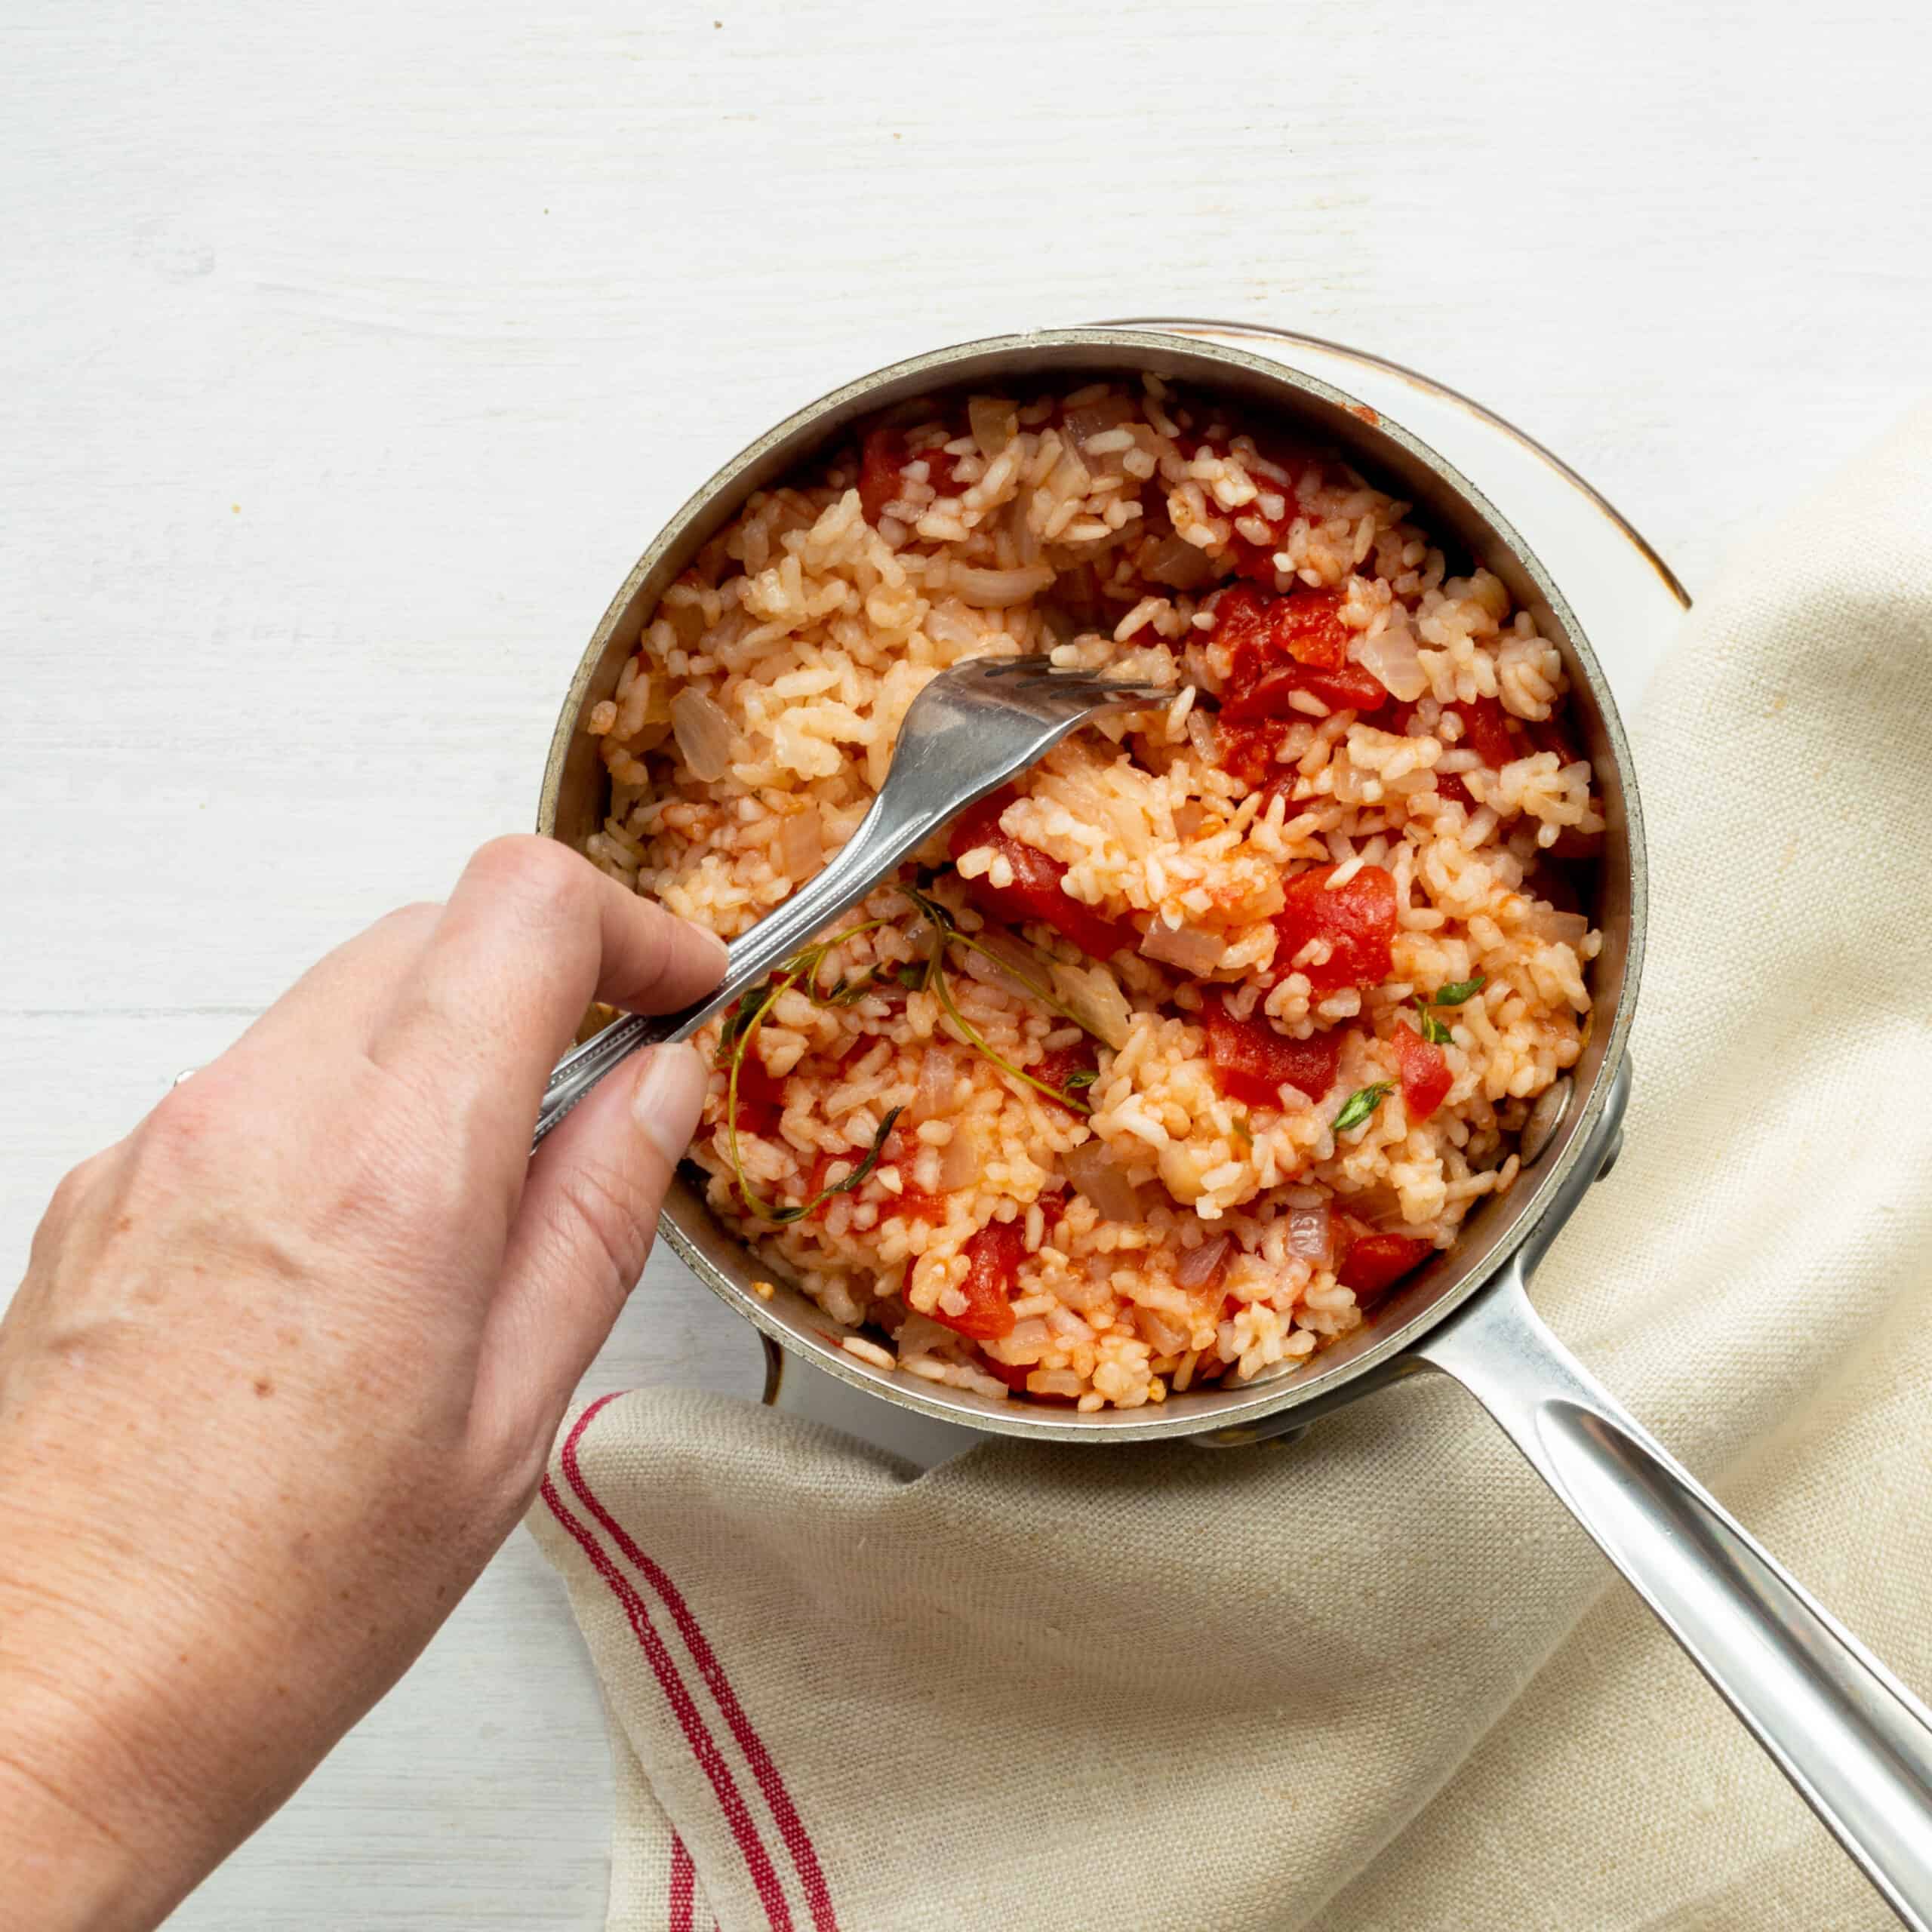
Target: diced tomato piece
(1255,561)
(1345,1230)
(1375,1262)
(1347,688)
(900,1149)
(1283,786)
(1552,735)
(1251,1059)
(1263,631)
(1486,730)
(1057,1067)
(1035,892)
(1425,1075)
(992,1264)
(1247,751)
(1451,786)
(1357,919)
(881,459)
(941,470)
(761,1096)
(915,1204)
(1013,1374)
(1398,716)
(1281,645)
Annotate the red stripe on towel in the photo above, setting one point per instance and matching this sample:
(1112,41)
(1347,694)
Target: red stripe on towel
(683,1886)
(691,1720)
(791,1826)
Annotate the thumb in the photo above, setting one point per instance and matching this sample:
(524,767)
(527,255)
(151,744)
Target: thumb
(582,1230)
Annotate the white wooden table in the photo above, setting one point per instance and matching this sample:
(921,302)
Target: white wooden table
(349,355)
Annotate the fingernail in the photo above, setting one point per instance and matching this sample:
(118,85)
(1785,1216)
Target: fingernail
(717,946)
(668,1097)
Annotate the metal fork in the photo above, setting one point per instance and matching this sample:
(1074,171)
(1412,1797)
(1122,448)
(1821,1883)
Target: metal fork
(970,729)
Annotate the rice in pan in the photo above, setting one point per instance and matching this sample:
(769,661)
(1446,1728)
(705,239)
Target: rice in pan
(1164,1064)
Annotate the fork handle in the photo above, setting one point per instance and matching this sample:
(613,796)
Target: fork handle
(878,845)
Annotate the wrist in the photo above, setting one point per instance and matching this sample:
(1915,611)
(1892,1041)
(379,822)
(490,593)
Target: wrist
(64,1865)
(93,1834)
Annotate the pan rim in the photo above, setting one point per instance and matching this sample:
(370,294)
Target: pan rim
(1316,1388)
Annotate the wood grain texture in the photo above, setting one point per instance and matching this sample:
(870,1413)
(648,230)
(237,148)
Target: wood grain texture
(348,355)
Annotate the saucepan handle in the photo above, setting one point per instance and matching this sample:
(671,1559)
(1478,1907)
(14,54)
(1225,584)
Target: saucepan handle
(1856,1743)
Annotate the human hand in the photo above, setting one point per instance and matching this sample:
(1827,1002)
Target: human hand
(287,1361)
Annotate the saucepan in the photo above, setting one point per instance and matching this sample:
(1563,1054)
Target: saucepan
(1854,1741)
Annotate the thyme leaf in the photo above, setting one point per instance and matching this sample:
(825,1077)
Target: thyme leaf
(1361,1103)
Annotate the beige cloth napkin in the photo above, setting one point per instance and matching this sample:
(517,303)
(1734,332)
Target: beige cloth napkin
(1377,1679)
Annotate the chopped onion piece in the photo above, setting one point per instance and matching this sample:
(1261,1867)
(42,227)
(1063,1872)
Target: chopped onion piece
(1391,658)
(1545,922)
(801,843)
(1091,1169)
(1015,969)
(1093,419)
(933,1096)
(686,618)
(1093,995)
(1381,1208)
(1312,1234)
(1200,1269)
(1187,947)
(992,590)
(1180,1171)
(705,740)
(994,422)
(1069,477)
(656,698)
(959,1165)
(1177,563)
(1161,1334)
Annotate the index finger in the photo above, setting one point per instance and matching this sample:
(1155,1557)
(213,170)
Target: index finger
(531,935)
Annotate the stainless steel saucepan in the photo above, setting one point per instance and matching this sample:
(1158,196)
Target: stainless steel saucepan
(1854,1741)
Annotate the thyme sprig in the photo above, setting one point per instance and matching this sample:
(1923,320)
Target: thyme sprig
(734,1040)
(805,971)
(946,935)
